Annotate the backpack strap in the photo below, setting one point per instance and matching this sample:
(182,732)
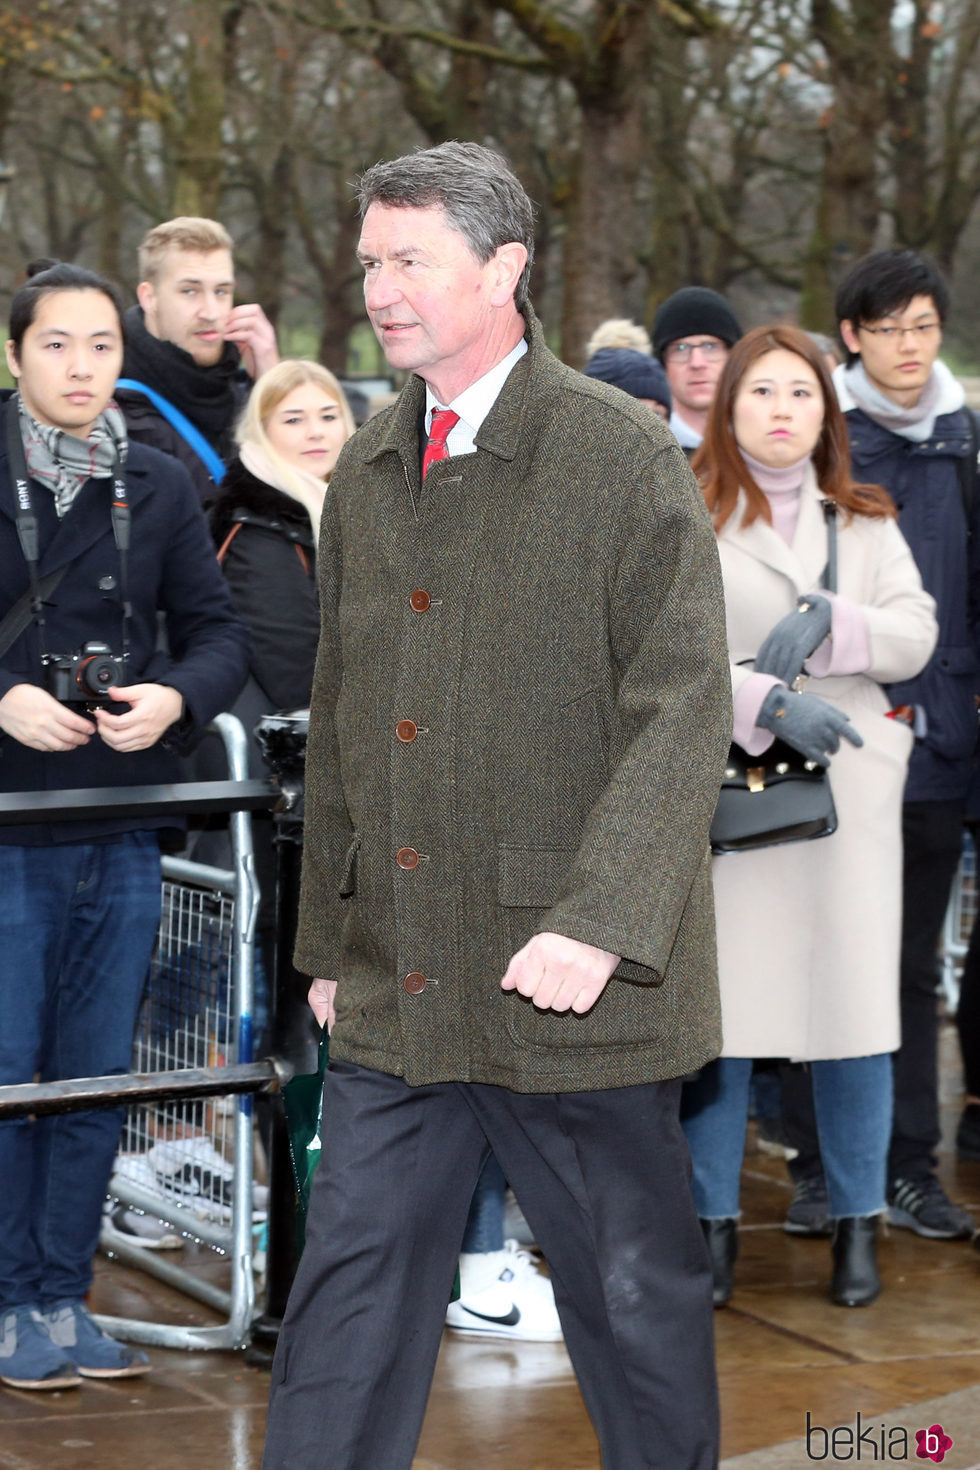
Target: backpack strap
(223,548)
(247,518)
(191,435)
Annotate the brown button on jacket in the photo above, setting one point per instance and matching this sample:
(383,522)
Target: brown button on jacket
(571,675)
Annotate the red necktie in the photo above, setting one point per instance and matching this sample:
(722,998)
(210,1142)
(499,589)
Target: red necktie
(443,423)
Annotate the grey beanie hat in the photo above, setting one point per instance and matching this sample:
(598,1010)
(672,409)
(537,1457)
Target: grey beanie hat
(636,373)
(694,309)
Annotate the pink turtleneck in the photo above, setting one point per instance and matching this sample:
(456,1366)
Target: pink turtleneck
(781,487)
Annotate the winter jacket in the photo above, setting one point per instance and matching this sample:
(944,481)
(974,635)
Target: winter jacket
(173,571)
(270,567)
(520,716)
(808,934)
(924,480)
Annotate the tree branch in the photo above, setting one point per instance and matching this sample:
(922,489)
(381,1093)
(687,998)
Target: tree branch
(352,28)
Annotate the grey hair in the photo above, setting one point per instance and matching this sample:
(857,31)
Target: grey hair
(483,199)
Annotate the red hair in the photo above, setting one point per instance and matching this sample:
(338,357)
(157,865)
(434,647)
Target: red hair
(719,465)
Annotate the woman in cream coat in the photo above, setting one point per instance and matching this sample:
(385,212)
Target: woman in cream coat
(808,933)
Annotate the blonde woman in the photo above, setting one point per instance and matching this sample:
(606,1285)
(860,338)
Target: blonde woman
(266,519)
(265,523)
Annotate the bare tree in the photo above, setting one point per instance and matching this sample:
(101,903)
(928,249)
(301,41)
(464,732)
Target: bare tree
(757,146)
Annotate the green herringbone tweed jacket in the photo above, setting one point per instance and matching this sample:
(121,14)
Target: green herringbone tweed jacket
(520,717)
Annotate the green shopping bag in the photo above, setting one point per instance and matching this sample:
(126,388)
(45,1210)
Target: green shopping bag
(303,1101)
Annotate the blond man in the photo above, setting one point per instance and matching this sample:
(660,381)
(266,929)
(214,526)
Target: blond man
(190,352)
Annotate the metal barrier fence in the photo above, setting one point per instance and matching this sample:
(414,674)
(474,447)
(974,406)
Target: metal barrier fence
(958,924)
(188,1164)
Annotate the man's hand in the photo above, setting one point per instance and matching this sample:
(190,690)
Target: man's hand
(154,708)
(252,331)
(35,718)
(560,974)
(321,998)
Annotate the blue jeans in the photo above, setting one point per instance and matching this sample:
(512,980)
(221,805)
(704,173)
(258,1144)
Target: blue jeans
(852,1099)
(77,928)
(485,1221)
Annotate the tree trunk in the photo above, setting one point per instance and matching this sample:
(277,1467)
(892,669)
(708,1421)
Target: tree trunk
(859,49)
(600,252)
(343,307)
(847,206)
(669,260)
(198,132)
(909,116)
(600,222)
(113,210)
(268,272)
(956,179)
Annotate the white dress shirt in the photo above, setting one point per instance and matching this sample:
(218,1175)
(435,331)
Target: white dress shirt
(473,404)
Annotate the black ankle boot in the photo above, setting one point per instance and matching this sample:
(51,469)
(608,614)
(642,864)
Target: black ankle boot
(722,1240)
(855,1282)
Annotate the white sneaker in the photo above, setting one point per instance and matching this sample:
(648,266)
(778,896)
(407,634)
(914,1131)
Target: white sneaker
(192,1171)
(519,1304)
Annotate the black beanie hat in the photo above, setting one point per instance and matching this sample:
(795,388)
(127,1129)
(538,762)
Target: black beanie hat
(694,309)
(636,373)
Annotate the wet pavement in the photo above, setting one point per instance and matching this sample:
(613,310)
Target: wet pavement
(783,1349)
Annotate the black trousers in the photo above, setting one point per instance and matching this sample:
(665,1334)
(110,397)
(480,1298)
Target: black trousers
(603,1179)
(968,1011)
(932,836)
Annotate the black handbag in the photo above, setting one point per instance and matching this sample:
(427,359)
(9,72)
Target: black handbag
(778,796)
(771,798)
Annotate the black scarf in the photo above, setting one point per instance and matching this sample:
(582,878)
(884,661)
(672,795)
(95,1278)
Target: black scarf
(205,394)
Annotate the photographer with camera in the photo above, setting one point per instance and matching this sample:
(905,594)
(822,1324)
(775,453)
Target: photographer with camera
(98,538)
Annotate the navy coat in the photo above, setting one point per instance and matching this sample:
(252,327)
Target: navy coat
(924,481)
(173,572)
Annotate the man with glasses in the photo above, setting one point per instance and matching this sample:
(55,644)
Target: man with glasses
(693,331)
(911,432)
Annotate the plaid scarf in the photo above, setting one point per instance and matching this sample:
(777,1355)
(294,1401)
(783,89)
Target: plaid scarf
(63,462)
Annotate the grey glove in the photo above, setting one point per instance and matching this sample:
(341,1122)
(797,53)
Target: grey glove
(793,639)
(810,725)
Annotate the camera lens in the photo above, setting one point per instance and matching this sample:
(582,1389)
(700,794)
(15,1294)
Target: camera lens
(97,673)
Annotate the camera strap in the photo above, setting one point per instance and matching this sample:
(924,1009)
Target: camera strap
(27,534)
(20,614)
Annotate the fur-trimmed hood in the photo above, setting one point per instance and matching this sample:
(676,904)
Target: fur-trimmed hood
(241,491)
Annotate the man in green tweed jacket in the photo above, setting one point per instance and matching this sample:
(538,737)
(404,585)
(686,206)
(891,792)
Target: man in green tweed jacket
(520,717)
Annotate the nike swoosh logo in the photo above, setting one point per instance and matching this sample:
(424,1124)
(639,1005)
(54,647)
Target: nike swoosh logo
(510,1320)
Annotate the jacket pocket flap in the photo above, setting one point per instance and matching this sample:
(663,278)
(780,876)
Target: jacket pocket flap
(531,877)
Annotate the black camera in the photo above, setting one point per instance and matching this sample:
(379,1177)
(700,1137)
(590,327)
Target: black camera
(83,677)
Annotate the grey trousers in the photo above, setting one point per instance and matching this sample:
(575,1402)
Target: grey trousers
(603,1179)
